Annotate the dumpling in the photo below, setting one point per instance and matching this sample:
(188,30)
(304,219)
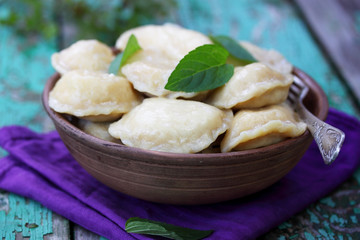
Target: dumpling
(270,57)
(94,96)
(253,86)
(171,125)
(89,55)
(262,127)
(163,46)
(97,129)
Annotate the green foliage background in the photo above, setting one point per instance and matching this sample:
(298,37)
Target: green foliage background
(82,19)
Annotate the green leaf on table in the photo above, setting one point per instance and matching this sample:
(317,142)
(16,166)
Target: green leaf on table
(131,48)
(235,49)
(203,68)
(145,226)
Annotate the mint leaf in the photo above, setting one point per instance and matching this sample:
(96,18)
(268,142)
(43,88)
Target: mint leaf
(115,64)
(234,48)
(131,48)
(202,69)
(145,226)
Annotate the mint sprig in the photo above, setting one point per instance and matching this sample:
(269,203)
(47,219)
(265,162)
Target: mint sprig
(202,69)
(236,51)
(131,48)
(145,226)
(206,67)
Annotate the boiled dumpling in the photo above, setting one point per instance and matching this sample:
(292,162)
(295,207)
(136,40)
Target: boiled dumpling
(171,125)
(163,46)
(89,55)
(262,127)
(255,85)
(97,129)
(95,96)
(270,57)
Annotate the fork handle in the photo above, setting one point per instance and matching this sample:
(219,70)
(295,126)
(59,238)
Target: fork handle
(328,138)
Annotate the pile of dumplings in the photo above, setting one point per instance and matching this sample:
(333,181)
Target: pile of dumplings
(133,107)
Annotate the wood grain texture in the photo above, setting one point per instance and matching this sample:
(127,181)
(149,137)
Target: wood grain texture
(61,228)
(24,218)
(338,31)
(81,233)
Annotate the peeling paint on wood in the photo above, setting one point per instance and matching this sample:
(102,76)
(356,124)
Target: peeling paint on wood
(22,78)
(25,218)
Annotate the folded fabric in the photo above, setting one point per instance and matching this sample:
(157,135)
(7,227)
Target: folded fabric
(39,167)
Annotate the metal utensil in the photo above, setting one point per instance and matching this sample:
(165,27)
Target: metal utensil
(328,138)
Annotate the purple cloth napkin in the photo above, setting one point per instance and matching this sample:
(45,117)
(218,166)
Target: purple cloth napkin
(40,167)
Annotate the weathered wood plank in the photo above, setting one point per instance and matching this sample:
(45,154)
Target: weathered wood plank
(336,25)
(24,68)
(22,218)
(334,217)
(61,228)
(81,233)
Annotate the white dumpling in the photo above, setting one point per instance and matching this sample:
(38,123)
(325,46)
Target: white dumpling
(89,55)
(171,125)
(163,46)
(95,96)
(97,129)
(253,86)
(270,57)
(262,127)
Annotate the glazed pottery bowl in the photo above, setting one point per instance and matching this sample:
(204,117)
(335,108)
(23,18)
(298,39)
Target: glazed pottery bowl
(187,179)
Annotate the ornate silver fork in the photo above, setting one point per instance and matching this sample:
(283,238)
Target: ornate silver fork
(328,138)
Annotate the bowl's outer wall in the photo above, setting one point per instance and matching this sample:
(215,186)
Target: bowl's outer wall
(183,184)
(186,178)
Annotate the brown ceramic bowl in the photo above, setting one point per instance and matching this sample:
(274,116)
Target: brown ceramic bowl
(186,178)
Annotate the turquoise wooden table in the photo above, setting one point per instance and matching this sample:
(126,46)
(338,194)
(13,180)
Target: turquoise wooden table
(320,37)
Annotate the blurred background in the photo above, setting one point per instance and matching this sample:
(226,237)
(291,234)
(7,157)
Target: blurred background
(69,20)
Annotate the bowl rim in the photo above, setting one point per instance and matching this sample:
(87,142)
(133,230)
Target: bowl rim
(169,158)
